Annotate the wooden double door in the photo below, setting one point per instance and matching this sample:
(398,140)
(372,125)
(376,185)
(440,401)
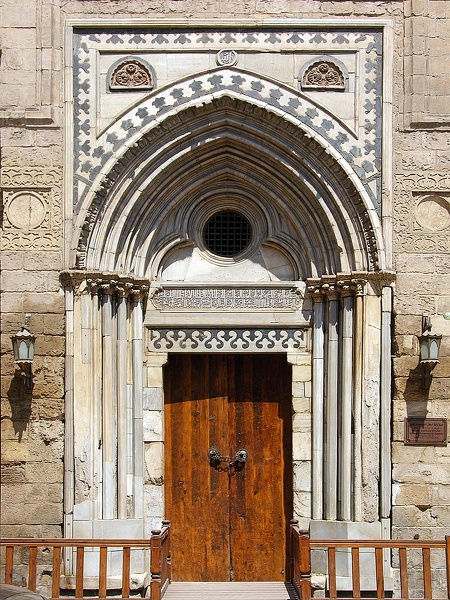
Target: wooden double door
(229,518)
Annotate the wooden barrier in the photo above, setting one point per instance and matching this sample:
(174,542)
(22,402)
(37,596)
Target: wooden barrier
(158,545)
(302,546)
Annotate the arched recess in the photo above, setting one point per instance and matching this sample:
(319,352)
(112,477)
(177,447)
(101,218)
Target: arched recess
(316,211)
(316,207)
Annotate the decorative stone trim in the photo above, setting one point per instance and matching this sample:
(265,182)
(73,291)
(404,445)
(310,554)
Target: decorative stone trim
(225,340)
(345,284)
(130,74)
(323,75)
(104,283)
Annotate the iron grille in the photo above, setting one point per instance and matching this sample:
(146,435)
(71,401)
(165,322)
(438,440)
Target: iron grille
(227,233)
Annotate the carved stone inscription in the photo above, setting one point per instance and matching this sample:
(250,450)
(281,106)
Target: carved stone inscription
(225,340)
(226,299)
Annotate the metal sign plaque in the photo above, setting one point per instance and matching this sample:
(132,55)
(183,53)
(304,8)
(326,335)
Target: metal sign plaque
(425,432)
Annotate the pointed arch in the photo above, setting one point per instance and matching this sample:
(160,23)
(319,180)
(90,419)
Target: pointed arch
(319,209)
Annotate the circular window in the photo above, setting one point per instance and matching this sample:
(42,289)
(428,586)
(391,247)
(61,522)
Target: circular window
(227,233)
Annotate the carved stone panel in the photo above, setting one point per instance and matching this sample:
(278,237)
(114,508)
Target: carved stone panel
(31,209)
(225,340)
(421,213)
(131,74)
(226,299)
(323,74)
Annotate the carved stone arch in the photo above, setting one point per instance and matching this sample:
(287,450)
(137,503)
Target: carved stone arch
(322,178)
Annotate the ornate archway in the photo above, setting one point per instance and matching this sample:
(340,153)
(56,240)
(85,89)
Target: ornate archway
(319,294)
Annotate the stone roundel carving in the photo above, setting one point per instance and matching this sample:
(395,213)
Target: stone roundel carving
(433,213)
(131,74)
(26,210)
(227,58)
(323,74)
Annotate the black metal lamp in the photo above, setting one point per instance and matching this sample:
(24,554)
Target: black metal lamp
(23,346)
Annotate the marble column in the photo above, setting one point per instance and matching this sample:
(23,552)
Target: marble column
(331,448)
(122,408)
(137,320)
(345,463)
(317,407)
(385,404)
(357,399)
(109,436)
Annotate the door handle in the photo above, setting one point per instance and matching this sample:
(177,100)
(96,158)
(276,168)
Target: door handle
(241,455)
(215,456)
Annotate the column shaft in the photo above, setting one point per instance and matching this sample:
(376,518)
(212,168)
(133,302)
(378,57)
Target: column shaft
(109,416)
(346,409)
(138,430)
(385,403)
(357,403)
(317,410)
(122,407)
(331,455)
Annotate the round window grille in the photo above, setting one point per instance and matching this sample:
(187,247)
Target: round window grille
(227,233)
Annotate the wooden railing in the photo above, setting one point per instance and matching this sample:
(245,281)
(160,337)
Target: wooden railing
(158,545)
(302,547)
(160,561)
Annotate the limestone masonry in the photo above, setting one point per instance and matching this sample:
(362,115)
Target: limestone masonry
(249,176)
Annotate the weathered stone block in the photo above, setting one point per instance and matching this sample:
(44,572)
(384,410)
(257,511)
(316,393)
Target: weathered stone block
(154,463)
(13,472)
(36,472)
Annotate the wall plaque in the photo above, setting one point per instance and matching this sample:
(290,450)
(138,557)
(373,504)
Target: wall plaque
(425,432)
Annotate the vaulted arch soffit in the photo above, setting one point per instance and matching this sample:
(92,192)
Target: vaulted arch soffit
(229,135)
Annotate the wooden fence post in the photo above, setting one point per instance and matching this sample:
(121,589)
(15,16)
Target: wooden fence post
(305,566)
(155,565)
(447,563)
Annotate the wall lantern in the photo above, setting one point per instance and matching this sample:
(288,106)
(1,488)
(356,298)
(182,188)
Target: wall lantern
(23,346)
(429,351)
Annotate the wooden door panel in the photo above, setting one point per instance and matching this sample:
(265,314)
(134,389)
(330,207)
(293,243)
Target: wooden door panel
(196,496)
(260,496)
(228,527)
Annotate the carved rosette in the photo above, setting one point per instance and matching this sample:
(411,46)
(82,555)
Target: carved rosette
(324,74)
(131,74)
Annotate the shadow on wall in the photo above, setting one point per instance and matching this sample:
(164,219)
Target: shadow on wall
(416,395)
(20,400)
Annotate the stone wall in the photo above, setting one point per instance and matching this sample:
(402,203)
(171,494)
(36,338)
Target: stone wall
(33,242)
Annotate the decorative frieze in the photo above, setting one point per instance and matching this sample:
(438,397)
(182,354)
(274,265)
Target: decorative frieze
(227,298)
(225,340)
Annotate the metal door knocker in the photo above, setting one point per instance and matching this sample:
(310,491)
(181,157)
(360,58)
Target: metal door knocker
(234,464)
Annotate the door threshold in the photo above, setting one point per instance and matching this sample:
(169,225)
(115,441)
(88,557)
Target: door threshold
(230,590)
